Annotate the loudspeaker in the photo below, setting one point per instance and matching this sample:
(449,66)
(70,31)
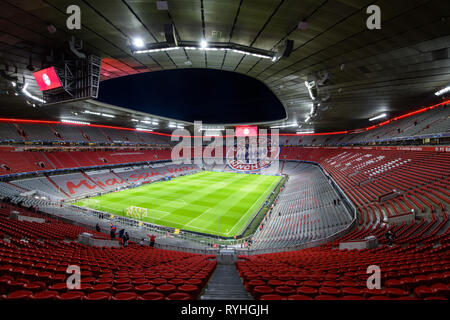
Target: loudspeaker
(284,50)
(169,32)
(289,46)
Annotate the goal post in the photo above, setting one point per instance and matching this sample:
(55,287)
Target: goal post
(136,212)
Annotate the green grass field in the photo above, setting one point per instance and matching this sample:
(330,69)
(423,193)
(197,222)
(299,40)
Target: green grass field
(218,203)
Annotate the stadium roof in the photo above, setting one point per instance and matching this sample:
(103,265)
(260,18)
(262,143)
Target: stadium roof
(392,70)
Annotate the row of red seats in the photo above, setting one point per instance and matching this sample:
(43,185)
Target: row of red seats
(408,272)
(29,161)
(421,177)
(35,256)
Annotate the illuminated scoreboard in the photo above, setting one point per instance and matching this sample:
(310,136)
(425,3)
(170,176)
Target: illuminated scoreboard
(47,79)
(246,131)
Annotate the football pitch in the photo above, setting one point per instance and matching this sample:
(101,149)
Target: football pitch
(218,203)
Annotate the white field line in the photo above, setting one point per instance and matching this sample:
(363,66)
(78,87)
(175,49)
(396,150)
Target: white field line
(189,223)
(178,223)
(270,189)
(160,199)
(159,217)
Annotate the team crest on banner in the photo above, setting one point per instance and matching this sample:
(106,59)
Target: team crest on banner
(248,158)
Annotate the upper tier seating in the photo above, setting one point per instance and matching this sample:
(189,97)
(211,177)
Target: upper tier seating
(43,132)
(430,122)
(39,132)
(70,133)
(32,161)
(9,132)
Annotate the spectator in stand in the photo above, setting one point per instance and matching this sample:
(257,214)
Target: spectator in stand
(125,239)
(141,242)
(121,231)
(97,228)
(390,236)
(113,232)
(152,240)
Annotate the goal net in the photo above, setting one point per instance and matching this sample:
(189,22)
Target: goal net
(136,212)
(93,204)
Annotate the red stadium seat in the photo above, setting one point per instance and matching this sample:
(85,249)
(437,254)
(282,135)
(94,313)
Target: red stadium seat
(123,287)
(262,290)
(299,297)
(166,289)
(379,298)
(307,291)
(352,298)
(189,289)
(72,295)
(284,291)
(326,297)
(143,288)
(179,296)
(19,295)
(45,295)
(125,296)
(153,296)
(271,297)
(99,295)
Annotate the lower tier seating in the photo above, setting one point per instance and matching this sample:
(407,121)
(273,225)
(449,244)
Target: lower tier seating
(408,272)
(34,258)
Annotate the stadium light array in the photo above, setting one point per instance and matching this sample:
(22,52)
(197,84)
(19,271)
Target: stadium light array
(443,91)
(212,128)
(29,95)
(214,46)
(210,133)
(92,112)
(295,124)
(143,129)
(157,50)
(383,115)
(108,115)
(138,42)
(74,122)
(305,132)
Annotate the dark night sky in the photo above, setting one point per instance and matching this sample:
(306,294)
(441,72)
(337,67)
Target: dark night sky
(213,96)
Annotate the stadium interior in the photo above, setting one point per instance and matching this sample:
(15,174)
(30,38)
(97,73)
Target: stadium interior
(350,179)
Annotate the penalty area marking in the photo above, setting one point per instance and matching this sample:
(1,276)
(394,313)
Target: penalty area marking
(189,223)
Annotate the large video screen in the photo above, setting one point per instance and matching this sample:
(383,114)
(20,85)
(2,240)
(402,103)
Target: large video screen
(47,79)
(246,131)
